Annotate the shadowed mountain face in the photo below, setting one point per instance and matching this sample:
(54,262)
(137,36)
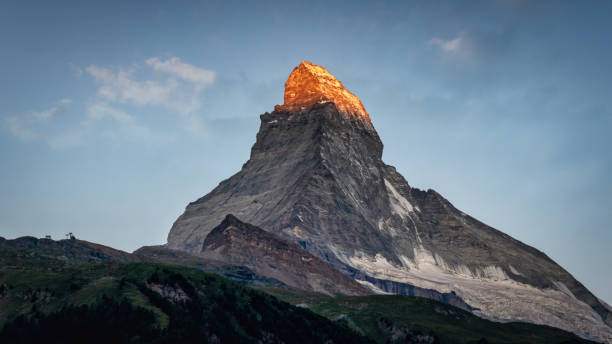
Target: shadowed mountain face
(316,177)
(243,244)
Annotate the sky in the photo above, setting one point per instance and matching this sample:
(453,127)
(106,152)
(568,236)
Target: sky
(115,115)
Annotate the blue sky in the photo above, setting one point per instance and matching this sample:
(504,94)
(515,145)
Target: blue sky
(115,115)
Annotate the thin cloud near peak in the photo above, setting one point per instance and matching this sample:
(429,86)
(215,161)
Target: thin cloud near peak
(116,108)
(175,67)
(451,46)
(177,88)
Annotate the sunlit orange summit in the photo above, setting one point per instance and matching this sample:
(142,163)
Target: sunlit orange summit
(310,84)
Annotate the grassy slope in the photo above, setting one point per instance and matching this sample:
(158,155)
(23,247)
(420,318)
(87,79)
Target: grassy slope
(76,251)
(53,291)
(449,324)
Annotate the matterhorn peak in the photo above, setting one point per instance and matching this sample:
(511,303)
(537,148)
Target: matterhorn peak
(322,198)
(310,84)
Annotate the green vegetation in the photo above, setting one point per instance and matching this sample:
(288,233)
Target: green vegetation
(384,317)
(45,300)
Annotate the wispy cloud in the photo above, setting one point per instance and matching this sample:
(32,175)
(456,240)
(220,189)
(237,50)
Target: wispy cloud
(120,87)
(48,113)
(20,128)
(171,84)
(455,46)
(175,67)
(99,111)
(120,126)
(24,126)
(116,110)
(177,89)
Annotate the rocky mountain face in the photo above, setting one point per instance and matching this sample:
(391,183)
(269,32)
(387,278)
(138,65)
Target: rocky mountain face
(244,244)
(316,177)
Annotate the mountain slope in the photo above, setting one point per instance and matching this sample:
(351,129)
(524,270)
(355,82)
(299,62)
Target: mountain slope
(74,251)
(45,299)
(401,319)
(316,177)
(69,250)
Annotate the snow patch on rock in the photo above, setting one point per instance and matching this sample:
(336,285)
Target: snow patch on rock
(489,289)
(373,288)
(402,207)
(399,204)
(514,271)
(564,288)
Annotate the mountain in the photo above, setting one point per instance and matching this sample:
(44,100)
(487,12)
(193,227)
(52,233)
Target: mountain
(47,298)
(244,244)
(316,177)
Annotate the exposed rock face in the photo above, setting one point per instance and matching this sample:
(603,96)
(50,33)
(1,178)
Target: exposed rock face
(237,273)
(316,177)
(310,84)
(244,244)
(173,293)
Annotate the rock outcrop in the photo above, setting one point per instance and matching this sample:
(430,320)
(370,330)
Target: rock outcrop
(244,244)
(316,177)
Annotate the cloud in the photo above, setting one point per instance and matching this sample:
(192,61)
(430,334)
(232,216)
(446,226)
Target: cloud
(460,44)
(44,114)
(120,87)
(170,83)
(120,107)
(177,89)
(123,125)
(99,111)
(20,128)
(48,113)
(23,127)
(174,66)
